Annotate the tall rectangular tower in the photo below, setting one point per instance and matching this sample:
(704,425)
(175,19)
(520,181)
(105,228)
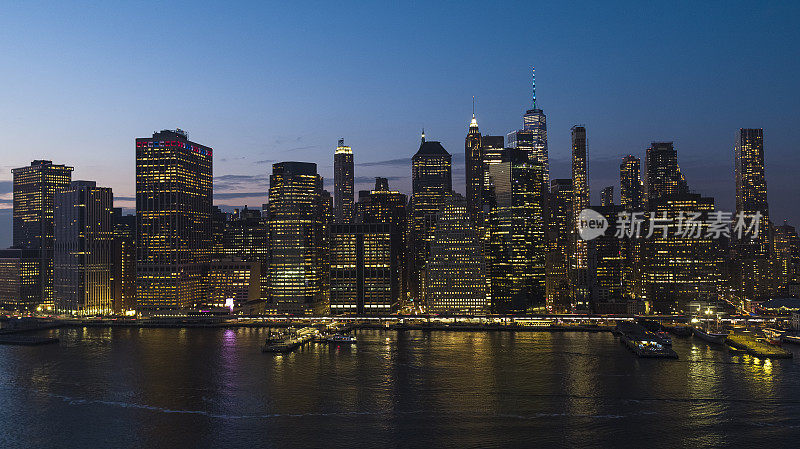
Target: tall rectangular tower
(173,219)
(473,164)
(432,187)
(580,201)
(663,176)
(295,232)
(753,265)
(35,188)
(343,183)
(84,244)
(630,183)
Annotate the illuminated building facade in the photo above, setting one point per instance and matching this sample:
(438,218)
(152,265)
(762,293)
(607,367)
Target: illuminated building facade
(388,207)
(753,271)
(432,187)
(173,220)
(787,257)
(84,241)
(296,219)
(580,201)
(20,279)
(531,140)
(605,264)
(678,268)
(663,176)
(607,197)
(473,161)
(455,280)
(35,187)
(630,181)
(493,152)
(233,281)
(516,244)
(245,238)
(364,271)
(123,260)
(559,232)
(343,183)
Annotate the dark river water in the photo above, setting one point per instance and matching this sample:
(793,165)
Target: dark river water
(183,388)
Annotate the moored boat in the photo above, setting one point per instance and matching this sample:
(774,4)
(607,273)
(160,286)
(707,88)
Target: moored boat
(717,337)
(341,339)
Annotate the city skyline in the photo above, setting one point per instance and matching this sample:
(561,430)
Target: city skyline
(379,108)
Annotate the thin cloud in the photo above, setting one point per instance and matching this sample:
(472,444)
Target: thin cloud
(229,195)
(394,162)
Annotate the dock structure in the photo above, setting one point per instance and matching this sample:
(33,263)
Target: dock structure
(642,342)
(293,340)
(757,348)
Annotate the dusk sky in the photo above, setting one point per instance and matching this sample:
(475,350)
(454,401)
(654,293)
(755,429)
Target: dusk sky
(265,82)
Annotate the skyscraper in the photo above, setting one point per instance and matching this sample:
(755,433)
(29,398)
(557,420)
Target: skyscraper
(473,162)
(455,280)
(559,234)
(343,183)
(84,242)
(245,238)
(580,201)
(751,185)
(493,152)
(432,186)
(35,187)
(531,140)
(295,227)
(663,176)
(684,264)
(607,196)
(516,238)
(753,271)
(124,261)
(365,276)
(388,207)
(630,183)
(173,220)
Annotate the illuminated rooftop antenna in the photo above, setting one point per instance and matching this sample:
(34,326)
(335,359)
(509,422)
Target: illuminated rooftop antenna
(473,123)
(423,134)
(533,85)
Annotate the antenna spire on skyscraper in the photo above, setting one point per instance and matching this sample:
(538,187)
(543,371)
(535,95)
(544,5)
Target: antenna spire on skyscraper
(533,85)
(473,123)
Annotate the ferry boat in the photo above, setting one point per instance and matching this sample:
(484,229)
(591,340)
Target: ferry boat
(717,337)
(341,339)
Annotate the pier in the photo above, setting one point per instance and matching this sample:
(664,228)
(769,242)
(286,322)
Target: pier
(642,342)
(757,348)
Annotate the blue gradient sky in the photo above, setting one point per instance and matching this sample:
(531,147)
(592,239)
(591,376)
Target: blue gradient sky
(262,82)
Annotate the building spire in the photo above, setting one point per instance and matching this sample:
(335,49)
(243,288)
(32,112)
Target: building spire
(533,85)
(423,134)
(474,122)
